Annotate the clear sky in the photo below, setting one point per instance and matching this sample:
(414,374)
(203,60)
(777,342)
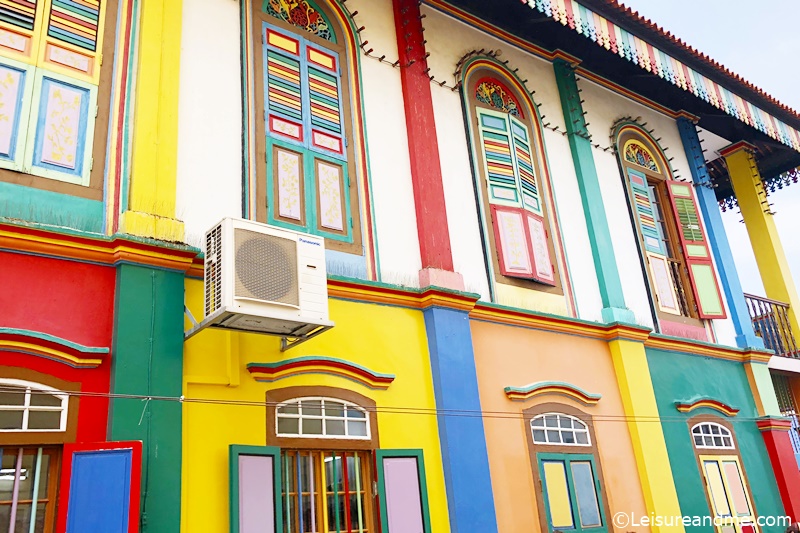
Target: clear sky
(760,42)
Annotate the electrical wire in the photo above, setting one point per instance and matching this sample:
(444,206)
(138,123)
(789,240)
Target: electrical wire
(420,411)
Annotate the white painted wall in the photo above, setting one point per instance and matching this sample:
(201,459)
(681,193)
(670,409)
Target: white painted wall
(392,192)
(209,117)
(448,41)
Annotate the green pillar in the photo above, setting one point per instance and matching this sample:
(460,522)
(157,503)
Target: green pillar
(605,263)
(147,360)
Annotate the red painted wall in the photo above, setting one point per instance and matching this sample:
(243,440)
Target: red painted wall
(73,301)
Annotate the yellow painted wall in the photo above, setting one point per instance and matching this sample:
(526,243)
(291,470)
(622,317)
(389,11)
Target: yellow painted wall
(385,339)
(512,356)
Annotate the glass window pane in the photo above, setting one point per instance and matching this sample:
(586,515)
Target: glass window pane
(558,502)
(26,475)
(44,473)
(736,484)
(334,427)
(7,474)
(538,436)
(356,413)
(698,440)
(289,426)
(553,436)
(41,399)
(5,517)
(357,428)
(537,422)
(568,437)
(10,419)
(334,409)
(289,409)
(312,408)
(312,426)
(583,438)
(44,420)
(23,521)
(12,398)
(551,421)
(565,422)
(585,493)
(717,489)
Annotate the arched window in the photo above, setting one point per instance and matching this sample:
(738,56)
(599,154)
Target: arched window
(511,180)
(26,406)
(306,162)
(560,429)
(712,435)
(668,223)
(567,468)
(321,418)
(727,491)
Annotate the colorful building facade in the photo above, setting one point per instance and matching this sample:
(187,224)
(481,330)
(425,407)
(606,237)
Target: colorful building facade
(538,321)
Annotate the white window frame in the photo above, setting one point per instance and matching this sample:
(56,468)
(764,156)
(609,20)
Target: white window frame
(322,399)
(724,433)
(575,430)
(32,387)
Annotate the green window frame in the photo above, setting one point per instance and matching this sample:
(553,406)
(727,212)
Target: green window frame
(381,456)
(574,495)
(238,451)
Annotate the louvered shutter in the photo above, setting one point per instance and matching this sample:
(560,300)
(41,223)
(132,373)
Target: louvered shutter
(660,271)
(696,251)
(283,91)
(543,270)
(528,186)
(500,170)
(511,237)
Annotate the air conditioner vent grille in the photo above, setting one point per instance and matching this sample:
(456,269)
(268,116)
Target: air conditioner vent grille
(213,270)
(266,268)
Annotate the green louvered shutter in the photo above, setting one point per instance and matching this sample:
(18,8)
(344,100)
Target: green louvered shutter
(696,251)
(528,185)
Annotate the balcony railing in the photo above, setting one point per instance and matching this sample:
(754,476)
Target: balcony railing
(771,323)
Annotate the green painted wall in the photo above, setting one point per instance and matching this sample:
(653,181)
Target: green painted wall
(678,377)
(148,361)
(46,207)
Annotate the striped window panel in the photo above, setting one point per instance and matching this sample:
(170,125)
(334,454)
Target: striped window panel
(75,22)
(527,177)
(283,80)
(653,240)
(499,160)
(21,13)
(323,92)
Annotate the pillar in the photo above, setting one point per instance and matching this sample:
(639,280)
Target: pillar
(775,431)
(147,361)
(647,435)
(605,262)
(423,149)
(770,257)
(763,390)
(465,459)
(152,190)
(717,238)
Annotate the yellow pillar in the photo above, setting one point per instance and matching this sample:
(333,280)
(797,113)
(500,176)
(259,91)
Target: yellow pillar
(752,198)
(644,424)
(153,183)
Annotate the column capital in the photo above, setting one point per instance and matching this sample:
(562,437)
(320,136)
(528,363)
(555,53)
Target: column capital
(736,147)
(773,423)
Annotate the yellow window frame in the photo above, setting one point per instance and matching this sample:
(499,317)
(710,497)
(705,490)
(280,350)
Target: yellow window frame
(736,520)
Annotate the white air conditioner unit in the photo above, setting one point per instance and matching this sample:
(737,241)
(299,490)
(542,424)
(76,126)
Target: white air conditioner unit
(263,279)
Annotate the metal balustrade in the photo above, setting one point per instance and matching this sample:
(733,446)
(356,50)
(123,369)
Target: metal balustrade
(771,322)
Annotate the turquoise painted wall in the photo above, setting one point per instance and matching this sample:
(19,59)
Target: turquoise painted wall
(678,377)
(47,207)
(147,360)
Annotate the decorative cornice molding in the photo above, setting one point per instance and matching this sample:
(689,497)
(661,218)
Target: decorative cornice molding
(699,402)
(674,344)
(773,423)
(96,248)
(312,364)
(552,387)
(51,347)
(381,293)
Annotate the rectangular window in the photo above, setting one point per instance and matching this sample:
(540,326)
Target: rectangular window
(571,491)
(50,55)
(28,485)
(403,491)
(326,491)
(307,171)
(727,492)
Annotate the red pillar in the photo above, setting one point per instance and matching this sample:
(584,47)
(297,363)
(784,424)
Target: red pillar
(787,473)
(423,149)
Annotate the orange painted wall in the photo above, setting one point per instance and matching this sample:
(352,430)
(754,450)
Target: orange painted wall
(514,356)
